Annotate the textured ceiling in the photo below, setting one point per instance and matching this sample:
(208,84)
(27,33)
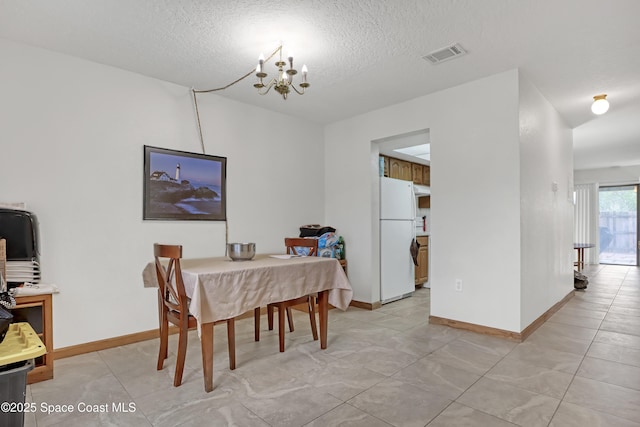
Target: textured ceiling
(366,54)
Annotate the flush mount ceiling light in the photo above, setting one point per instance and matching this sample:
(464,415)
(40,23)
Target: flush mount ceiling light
(600,104)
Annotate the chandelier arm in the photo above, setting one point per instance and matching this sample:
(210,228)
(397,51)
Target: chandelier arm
(268,87)
(296,89)
(279,49)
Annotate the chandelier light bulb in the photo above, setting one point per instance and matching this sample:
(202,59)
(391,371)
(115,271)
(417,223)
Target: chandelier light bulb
(600,104)
(290,59)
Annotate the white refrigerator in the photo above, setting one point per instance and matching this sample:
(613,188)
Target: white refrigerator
(397,230)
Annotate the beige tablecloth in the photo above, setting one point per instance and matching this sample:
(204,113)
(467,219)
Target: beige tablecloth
(220,288)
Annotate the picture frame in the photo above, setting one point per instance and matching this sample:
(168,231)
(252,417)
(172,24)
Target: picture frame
(184,186)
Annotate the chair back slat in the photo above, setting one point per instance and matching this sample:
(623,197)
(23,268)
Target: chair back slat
(170,281)
(292,243)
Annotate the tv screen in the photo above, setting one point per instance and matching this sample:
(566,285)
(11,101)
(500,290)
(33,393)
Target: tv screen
(184,186)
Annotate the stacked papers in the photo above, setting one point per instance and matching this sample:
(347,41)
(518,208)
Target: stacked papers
(28,289)
(23,271)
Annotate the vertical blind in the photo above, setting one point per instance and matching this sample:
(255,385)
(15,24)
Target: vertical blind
(586,220)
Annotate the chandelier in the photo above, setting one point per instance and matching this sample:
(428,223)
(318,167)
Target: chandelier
(283,81)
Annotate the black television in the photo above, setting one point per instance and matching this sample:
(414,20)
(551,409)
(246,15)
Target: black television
(20,230)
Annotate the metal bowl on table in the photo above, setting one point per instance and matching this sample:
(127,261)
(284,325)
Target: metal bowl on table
(241,251)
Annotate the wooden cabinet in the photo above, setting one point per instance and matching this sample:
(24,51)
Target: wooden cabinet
(394,168)
(37,311)
(405,171)
(424,202)
(399,169)
(417,173)
(422,269)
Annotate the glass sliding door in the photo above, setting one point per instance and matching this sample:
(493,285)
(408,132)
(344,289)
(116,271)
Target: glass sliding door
(619,225)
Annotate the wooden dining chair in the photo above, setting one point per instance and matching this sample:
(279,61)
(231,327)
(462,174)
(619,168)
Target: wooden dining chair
(285,306)
(173,307)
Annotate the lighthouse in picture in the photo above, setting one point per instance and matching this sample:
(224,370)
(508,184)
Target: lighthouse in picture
(178,172)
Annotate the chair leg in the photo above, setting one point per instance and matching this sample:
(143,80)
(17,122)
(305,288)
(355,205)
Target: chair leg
(270,317)
(281,314)
(312,317)
(164,337)
(231,340)
(256,323)
(290,319)
(182,352)
(163,351)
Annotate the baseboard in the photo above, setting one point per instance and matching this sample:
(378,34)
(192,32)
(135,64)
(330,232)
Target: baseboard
(365,305)
(546,315)
(75,350)
(502,333)
(480,329)
(89,347)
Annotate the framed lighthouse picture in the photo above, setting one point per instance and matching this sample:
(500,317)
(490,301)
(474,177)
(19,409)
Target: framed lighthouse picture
(184,186)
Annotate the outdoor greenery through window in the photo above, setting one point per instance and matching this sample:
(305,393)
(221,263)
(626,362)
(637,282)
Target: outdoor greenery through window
(619,225)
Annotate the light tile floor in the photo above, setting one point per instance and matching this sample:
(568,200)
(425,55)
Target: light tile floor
(382,367)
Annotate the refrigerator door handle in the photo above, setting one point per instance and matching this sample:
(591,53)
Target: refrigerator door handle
(415,210)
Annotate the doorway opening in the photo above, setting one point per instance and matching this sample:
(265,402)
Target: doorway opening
(618,208)
(399,170)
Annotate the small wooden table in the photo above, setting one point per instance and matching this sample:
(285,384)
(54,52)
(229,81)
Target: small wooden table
(580,247)
(37,311)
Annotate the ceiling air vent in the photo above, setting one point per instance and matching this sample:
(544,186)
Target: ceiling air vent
(445,54)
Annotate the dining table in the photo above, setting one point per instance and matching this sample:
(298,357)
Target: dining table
(219,289)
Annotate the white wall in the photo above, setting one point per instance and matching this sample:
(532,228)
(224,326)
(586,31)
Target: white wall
(475,204)
(476,197)
(72,132)
(608,176)
(546,158)
(71,137)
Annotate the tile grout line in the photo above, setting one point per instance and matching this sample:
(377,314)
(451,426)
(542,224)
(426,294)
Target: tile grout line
(561,400)
(122,385)
(481,377)
(575,374)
